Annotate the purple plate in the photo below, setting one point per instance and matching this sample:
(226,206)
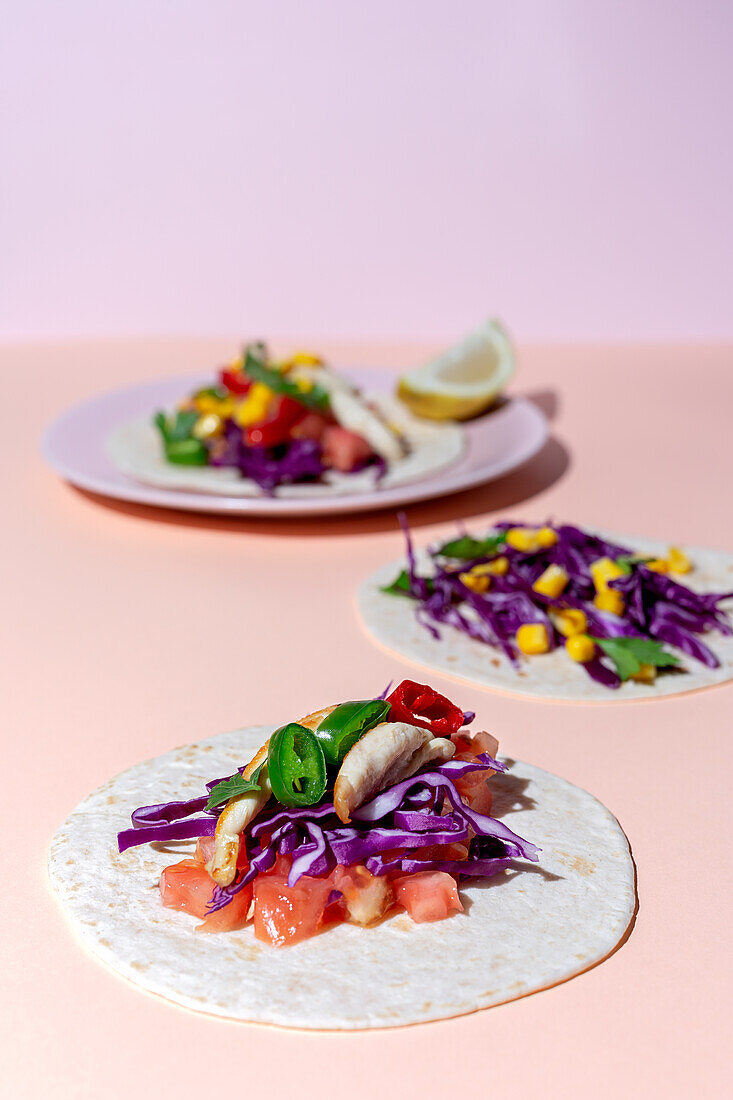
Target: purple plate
(74,446)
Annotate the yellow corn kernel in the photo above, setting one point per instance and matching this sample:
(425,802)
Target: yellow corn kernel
(546,537)
(647,674)
(207,403)
(533,638)
(581,648)
(306,359)
(610,600)
(304,385)
(658,565)
(253,409)
(301,359)
(476,583)
(496,568)
(569,621)
(678,560)
(552,581)
(604,570)
(523,538)
(206,427)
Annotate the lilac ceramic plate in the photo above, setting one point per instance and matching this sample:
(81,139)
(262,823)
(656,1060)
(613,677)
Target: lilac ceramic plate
(75,446)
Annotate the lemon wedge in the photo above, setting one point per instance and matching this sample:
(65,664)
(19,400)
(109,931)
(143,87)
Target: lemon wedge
(464,380)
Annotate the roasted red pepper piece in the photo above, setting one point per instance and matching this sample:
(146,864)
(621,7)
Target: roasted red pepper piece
(277,428)
(420,705)
(236,381)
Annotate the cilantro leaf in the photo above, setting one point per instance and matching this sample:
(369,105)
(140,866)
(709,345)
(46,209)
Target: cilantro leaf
(629,654)
(256,369)
(233,786)
(400,586)
(466,547)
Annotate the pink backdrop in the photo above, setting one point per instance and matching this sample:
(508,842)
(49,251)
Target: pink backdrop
(384,169)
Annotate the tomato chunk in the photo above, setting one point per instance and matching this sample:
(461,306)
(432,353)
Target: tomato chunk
(427,895)
(474,791)
(475,743)
(343,449)
(286,914)
(204,849)
(312,426)
(188,886)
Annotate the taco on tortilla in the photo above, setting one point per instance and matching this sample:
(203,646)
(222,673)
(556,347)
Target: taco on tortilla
(295,427)
(345,862)
(558,611)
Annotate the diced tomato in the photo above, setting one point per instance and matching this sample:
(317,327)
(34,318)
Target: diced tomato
(204,849)
(234,380)
(367,897)
(286,914)
(284,414)
(233,915)
(343,449)
(475,743)
(427,895)
(474,791)
(188,886)
(312,426)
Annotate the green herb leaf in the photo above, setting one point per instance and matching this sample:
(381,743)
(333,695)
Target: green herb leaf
(256,369)
(400,586)
(629,654)
(627,562)
(235,785)
(466,547)
(182,426)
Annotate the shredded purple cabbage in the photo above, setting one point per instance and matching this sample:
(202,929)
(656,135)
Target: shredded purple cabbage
(299,460)
(656,606)
(406,817)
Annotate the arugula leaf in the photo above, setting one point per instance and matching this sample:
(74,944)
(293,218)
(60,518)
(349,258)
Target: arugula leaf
(626,562)
(629,654)
(315,398)
(467,547)
(400,586)
(235,785)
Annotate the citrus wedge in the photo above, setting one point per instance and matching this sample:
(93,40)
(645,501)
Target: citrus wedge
(464,380)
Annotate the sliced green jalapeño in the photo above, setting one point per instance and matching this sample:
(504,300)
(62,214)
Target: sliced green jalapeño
(296,766)
(187,452)
(341,729)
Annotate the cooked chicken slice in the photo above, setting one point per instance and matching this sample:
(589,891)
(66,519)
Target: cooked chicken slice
(385,755)
(313,721)
(236,816)
(353,412)
(239,812)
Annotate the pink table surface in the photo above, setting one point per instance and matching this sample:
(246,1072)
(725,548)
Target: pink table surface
(130,631)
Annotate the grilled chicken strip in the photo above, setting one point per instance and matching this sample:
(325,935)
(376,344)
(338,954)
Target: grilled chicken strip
(387,754)
(241,810)
(353,412)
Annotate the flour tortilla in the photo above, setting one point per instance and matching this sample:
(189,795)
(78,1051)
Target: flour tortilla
(391,621)
(135,449)
(521,932)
